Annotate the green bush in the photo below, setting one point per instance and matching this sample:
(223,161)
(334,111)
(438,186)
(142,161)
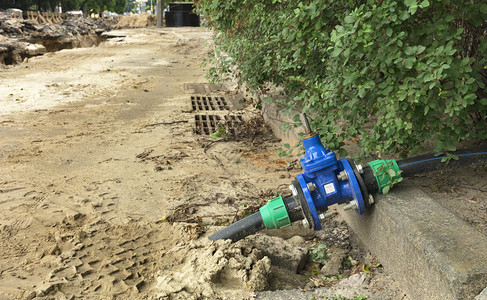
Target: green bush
(392,74)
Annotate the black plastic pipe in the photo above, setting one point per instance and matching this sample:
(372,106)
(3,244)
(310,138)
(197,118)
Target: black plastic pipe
(426,163)
(409,166)
(240,229)
(429,162)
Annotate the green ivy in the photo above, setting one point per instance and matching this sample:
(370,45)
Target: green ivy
(392,74)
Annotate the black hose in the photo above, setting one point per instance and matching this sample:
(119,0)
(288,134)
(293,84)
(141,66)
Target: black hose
(409,166)
(240,229)
(429,162)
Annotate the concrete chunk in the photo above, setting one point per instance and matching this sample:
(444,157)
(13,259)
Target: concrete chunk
(431,252)
(482,295)
(281,252)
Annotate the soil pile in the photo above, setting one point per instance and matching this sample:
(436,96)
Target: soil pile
(21,39)
(132,21)
(212,270)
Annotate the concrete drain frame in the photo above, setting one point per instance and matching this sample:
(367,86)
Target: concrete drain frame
(209,103)
(208,124)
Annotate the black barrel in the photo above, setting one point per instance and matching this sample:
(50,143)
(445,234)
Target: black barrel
(181,14)
(181,6)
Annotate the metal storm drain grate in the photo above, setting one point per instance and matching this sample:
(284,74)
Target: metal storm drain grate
(209,103)
(208,124)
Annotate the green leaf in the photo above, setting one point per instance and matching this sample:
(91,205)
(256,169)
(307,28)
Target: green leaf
(349,19)
(409,62)
(219,133)
(366,269)
(404,15)
(361,92)
(455,157)
(424,4)
(336,51)
(409,50)
(409,3)
(389,31)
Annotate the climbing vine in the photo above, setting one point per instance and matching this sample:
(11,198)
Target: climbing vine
(391,74)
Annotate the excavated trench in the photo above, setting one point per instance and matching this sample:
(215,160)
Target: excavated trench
(17,52)
(84,40)
(22,39)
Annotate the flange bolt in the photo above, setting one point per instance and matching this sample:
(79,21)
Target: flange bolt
(351,205)
(311,186)
(294,192)
(342,176)
(360,169)
(325,215)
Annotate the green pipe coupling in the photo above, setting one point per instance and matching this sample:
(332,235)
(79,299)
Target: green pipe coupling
(386,173)
(274,214)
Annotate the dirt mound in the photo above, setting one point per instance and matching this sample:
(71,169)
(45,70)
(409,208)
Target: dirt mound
(212,270)
(21,39)
(132,21)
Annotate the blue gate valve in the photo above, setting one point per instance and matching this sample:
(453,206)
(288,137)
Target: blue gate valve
(326,181)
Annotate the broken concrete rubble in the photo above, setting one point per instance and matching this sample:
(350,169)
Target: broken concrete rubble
(21,39)
(281,252)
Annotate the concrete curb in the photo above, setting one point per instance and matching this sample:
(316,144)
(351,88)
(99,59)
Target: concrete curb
(275,120)
(428,250)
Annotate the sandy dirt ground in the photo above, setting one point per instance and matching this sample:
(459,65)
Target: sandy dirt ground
(105,190)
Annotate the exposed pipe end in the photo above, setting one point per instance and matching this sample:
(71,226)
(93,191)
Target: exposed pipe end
(240,229)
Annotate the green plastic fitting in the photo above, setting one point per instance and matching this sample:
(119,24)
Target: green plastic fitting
(274,214)
(386,173)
